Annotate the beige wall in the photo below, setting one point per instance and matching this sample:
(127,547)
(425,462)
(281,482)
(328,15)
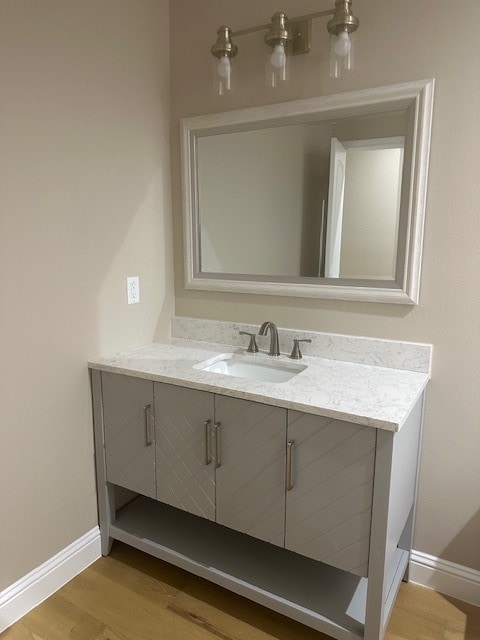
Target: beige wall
(84,202)
(398,41)
(370,213)
(238,210)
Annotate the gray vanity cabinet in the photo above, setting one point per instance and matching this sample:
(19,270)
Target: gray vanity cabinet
(128,424)
(295,480)
(340,542)
(250,477)
(329,490)
(185,467)
(222,459)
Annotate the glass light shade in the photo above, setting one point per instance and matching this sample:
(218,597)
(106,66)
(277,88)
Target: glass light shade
(277,66)
(341,53)
(222,76)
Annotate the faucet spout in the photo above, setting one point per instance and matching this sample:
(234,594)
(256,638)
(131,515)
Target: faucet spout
(274,346)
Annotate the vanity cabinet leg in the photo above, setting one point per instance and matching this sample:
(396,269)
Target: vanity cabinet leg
(406,541)
(105,491)
(106,544)
(105,519)
(377,569)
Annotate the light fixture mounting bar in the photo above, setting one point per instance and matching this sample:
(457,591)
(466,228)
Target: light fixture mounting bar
(312,16)
(265,27)
(301,31)
(300,28)
(242,32)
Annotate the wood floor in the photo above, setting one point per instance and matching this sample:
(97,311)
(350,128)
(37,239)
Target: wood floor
(132,596)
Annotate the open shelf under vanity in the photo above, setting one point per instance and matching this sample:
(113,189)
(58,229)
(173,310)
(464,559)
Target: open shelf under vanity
(322,596)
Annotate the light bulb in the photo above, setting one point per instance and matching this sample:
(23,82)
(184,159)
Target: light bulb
(224,67)
(343,46)
(278,57)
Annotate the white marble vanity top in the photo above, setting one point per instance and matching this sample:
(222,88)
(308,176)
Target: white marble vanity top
(375,396)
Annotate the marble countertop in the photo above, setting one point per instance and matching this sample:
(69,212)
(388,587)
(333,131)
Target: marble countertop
(370,395)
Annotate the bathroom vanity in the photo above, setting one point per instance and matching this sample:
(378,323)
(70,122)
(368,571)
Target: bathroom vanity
(289,481)
(297,494)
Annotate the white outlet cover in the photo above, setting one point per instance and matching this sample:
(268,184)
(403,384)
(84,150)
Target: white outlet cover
(133,290)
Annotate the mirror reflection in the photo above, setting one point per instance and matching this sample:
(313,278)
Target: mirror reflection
(314,200)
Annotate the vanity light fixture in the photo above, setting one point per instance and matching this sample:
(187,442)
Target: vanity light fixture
(279,38)
(223,50)
(340,28)
(288,37)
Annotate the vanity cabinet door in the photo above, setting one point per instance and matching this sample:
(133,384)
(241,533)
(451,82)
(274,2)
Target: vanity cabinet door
(329,498)
(251,475)
(185,468)
(128,424)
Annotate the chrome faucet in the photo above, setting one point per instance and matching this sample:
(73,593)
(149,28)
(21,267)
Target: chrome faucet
(274,347)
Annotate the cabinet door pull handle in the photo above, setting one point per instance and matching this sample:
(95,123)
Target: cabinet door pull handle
(218,462)
(290,444)
(206,426)
(146,422)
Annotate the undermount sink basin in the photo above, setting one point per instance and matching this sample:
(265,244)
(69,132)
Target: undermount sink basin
(230,364)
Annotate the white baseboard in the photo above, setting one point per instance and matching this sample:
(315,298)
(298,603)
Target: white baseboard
(25,594)
(446,577)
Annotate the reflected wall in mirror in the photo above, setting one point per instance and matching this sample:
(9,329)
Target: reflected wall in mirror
(318,198)
(364,208)
(313,200)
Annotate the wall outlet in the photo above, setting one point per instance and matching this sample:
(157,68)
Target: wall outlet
(133,290)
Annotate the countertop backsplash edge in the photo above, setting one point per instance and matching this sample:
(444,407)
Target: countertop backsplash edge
(392,354)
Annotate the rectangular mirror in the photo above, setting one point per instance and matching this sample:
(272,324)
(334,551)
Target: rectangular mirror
(318,198)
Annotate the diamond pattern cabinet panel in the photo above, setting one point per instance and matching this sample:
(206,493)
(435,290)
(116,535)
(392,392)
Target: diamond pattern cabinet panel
(183,479)
(251,478)
(129,462)
(329,508)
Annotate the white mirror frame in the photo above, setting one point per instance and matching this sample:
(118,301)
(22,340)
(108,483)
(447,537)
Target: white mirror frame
(390,98)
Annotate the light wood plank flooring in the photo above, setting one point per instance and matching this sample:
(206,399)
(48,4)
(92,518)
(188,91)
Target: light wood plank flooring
(132,596)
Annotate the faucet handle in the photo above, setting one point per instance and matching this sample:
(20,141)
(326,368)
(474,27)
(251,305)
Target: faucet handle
(296,353)
(252,347)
